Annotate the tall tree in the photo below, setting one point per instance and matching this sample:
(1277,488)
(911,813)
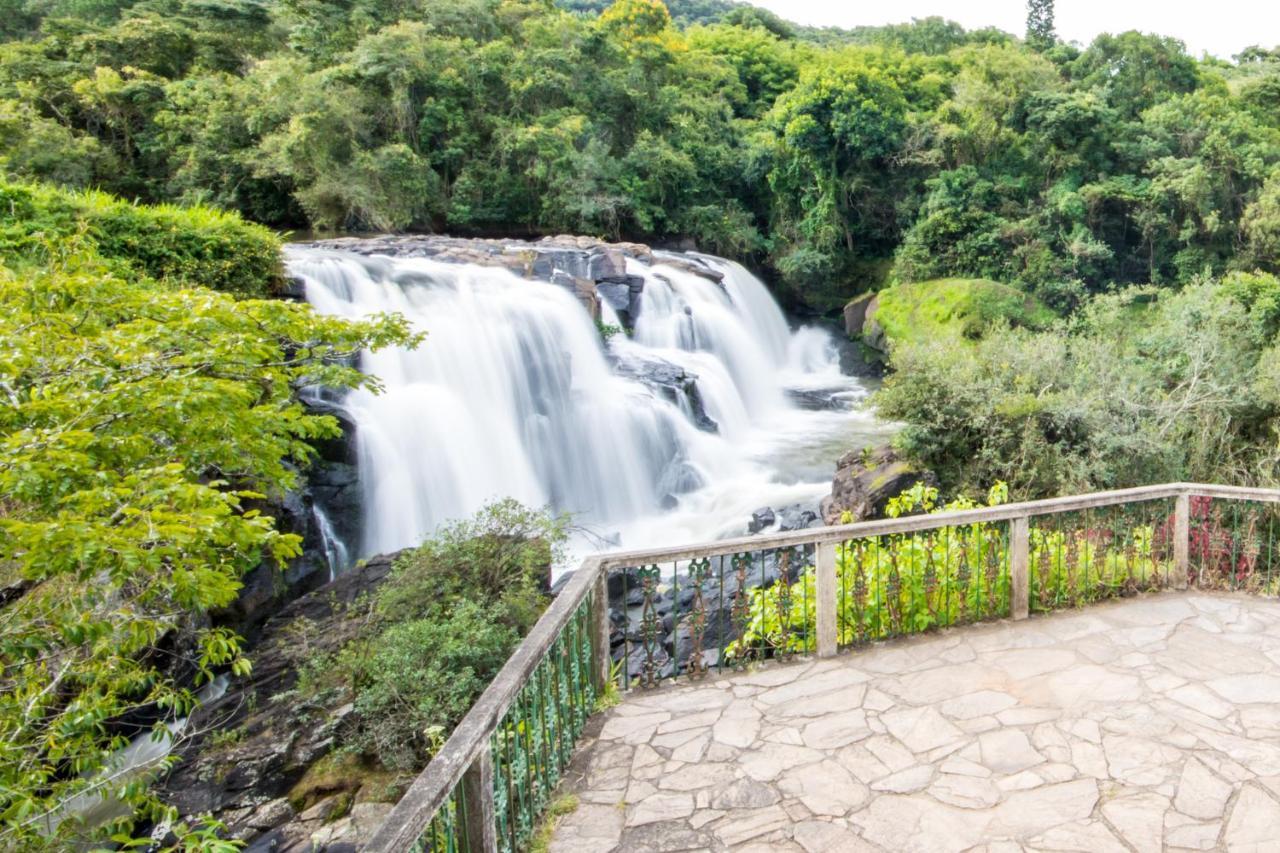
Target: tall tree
(1040,35)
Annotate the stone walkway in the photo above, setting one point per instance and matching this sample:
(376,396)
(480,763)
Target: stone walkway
(1148,724)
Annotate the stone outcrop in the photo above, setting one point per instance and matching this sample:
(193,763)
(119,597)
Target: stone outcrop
(865,480)
(593,270)
(860,321)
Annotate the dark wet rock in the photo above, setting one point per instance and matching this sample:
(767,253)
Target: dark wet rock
(798,517)
(821,399)
(668,380)
(760,519)
(866,480)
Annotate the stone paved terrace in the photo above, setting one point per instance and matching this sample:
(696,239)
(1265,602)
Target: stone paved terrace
(1145,724)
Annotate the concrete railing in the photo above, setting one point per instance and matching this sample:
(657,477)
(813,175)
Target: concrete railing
(486,787)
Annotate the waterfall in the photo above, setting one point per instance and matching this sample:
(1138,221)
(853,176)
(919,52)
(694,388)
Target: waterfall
(336,554)
(514,393)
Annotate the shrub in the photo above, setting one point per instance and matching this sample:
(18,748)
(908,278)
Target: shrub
(422,674)
(184,245)
(442,625)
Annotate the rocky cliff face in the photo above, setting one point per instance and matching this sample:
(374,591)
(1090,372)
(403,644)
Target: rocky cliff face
(251,761)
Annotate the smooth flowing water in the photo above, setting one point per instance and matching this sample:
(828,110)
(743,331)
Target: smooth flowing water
(515,393)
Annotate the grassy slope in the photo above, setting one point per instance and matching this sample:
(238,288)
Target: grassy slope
(954,308)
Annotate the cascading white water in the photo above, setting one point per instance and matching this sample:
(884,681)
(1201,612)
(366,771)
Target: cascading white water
(513,393)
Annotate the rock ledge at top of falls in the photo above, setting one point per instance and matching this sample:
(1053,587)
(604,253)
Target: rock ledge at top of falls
(593,270)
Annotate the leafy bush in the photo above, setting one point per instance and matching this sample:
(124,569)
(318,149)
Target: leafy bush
(1142,387)
(422,674)
(182,245)
(442,625)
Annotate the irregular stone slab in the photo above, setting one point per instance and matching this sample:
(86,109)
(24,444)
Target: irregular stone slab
(906,781)
(836,730)
(1085,835)
(1246,689)
(936,685)
(1092,684)
(744,794)
(1182,832)
(1254,824)
(660,807)
(1201,794)
(1030,812)
(966,792)
(769,760)
(1022,664)
(814,685)
(664,837)
(692,750)
(740,827)
(1139,818)
(917,823)
(1139,761)
(619,727)
(1199,699)
(978,704)
(825,788)
(921,729)
(817,836)
(739,725)
(589,829)
(691,777)
(1008,751)
(844,699)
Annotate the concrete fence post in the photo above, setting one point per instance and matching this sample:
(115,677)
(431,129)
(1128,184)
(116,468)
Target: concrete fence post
(477,793)
(827,599)
(1182,541)
(1019,568)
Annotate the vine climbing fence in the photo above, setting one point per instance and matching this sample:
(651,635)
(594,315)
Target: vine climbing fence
(632,620)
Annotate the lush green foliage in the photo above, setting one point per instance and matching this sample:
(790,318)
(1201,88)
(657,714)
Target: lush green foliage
(954,310)
(888,586)
(1142,386)
(440,628)
(825,154)
(143,424)
(165,243)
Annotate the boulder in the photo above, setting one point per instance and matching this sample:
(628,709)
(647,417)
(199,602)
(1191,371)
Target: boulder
(760,519)
(855,314)
(872,332)
(865,480)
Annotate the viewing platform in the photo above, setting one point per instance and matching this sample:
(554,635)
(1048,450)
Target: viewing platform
(1089,673)
(1151,722)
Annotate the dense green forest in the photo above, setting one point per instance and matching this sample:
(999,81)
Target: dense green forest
(836,159)
(1075,247)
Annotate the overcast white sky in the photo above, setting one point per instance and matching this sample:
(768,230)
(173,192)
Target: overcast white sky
(1221,27)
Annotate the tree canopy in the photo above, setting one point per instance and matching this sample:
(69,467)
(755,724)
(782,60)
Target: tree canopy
(835,158)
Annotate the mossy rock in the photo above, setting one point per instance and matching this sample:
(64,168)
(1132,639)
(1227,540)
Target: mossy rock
(948,309)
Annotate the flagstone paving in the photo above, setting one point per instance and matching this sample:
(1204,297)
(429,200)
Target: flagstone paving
(1148,724)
